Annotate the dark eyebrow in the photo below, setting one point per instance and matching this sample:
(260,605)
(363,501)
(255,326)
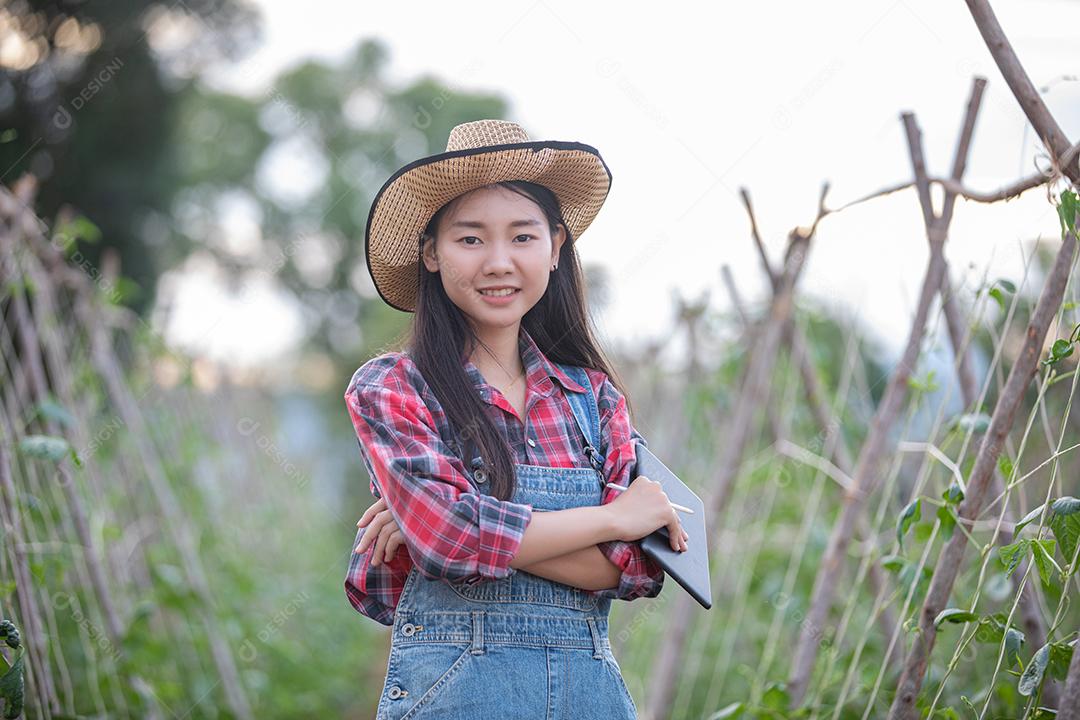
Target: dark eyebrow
(482,226)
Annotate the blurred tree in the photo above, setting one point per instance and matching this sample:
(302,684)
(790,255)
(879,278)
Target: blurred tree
(86,106)
(105,105)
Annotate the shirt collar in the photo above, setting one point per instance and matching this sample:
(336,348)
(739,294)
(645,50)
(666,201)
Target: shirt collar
(539,371)
(537,366)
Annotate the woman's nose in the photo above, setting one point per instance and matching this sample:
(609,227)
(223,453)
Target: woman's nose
(498,259)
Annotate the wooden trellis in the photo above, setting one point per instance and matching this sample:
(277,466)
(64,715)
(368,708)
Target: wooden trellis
(754,394)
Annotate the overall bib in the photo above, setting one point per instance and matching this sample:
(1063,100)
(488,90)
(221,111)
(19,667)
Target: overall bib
(521,647)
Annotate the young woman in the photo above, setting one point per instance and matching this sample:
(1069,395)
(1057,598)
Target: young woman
(499,605)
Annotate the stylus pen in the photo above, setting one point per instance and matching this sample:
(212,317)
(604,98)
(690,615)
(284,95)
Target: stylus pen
(677,506)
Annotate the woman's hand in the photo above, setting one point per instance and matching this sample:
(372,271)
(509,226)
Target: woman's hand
(642,508)
(383,531)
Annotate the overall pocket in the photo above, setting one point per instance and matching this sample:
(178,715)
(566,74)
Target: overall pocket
(418,674)
(482,589)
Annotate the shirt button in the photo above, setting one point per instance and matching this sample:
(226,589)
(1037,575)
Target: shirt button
(532,443)
(481,476)
(408,629)
(394,693)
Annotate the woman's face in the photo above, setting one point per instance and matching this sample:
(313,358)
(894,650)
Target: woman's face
(494,237)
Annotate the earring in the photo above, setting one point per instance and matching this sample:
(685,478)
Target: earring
(554,266)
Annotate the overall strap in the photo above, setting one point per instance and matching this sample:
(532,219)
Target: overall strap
(586,414)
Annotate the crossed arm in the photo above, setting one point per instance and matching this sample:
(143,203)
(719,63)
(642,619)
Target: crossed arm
(464,533)
(587,568)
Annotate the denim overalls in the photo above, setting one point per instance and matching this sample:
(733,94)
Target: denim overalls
(520,647)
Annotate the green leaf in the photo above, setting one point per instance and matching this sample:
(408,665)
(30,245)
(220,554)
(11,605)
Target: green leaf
(991,628)
(893,563)
(1060,656)
(998,290)
(907,577)
(1027,519)
(123,290)
(1067,211)
(1060,350)
(775,697)
(955,615)
(1042,552)
(1065,524)
(926,384)
(45,447)
(999,296)
(947,515)
(909,515)
(953,494)
(1013,640)
(923,531)
(1033,673)
(1006,466)
(1011,555)
(78,228)
(12,687)
(52,410)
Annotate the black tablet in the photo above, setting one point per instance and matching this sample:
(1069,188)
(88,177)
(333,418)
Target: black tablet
(691,568)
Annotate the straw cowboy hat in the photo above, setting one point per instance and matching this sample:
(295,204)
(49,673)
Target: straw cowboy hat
(477,154)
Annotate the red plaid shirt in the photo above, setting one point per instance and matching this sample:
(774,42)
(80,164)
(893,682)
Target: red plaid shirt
(452,530)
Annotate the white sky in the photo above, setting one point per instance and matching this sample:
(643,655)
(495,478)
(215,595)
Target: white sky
(689,101)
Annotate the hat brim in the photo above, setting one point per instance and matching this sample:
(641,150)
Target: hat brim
(575,173)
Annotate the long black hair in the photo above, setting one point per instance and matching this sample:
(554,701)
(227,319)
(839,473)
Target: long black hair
(559,324)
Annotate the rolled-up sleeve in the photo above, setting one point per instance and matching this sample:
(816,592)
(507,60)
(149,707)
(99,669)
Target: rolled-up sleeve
(451,531)
(641,575)
(375,600)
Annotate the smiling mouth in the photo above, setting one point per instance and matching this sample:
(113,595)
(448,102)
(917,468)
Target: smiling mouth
(499,293)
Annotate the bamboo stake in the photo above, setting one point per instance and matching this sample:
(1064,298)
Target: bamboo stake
(863,480)
(948,565)
(45,349)
(903,707)
(173,516)
(34,486)
(172,512)
(795,339)
(32,613)
(753,395)
(38,675)
(1030,614)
